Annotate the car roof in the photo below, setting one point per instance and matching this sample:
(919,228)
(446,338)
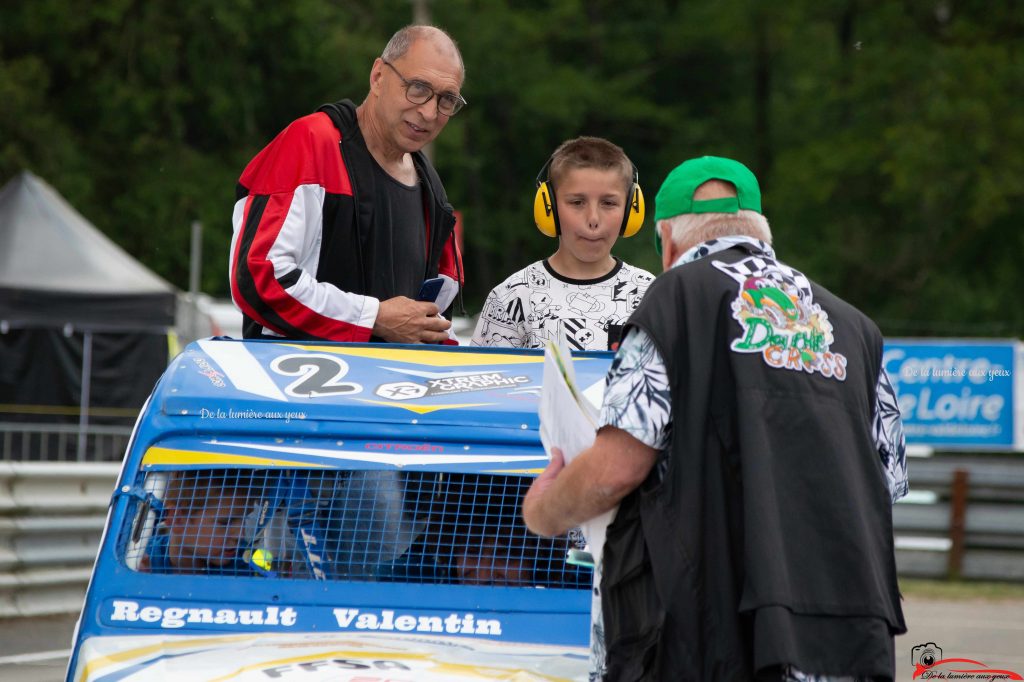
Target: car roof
(257,403)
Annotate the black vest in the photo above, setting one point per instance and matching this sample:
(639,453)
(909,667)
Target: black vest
(768,541)
(343,244)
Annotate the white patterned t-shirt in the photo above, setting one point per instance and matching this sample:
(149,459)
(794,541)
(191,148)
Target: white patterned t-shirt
(537,305)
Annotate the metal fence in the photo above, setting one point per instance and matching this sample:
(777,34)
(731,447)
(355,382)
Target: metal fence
(27,442)
(51,518)
(963,519)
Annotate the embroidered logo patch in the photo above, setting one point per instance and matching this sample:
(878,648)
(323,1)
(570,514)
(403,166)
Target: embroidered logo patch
(780,319)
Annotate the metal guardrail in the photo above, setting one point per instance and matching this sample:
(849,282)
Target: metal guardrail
(51,519)
(28,442)
(965,519)
(52,515)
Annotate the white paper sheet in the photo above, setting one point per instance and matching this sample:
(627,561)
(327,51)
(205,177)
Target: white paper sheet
(569,421)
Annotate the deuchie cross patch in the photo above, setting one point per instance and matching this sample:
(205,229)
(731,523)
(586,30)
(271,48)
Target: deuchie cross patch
(780,320)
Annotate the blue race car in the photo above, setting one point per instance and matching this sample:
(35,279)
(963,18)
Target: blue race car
(290,511)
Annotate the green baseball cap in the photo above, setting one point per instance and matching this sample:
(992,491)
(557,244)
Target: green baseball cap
(676,194)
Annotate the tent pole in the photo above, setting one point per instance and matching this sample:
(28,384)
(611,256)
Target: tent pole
(195,266)
(83,408)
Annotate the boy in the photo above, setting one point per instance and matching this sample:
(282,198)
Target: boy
(587,196)
(203,524)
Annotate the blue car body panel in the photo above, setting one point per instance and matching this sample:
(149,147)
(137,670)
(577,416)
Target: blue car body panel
(281,405)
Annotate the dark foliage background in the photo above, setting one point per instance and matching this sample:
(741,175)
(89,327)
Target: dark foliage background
(888,135)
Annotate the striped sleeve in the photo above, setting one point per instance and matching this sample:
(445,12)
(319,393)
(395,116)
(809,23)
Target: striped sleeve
(278,227)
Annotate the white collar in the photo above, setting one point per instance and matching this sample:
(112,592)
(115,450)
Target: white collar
(720,244)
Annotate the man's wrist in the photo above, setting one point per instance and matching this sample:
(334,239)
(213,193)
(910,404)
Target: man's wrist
(538,515)
(532,513)
(368,315)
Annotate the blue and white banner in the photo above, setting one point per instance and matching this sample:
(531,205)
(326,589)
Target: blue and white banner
(959,394)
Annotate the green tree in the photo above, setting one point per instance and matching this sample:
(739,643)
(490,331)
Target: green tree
(886,135)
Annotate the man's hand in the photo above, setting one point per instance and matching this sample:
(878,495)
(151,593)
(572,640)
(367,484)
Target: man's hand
(533,502)
(403,320)
(596,480)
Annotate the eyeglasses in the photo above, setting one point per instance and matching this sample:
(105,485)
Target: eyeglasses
(419,92)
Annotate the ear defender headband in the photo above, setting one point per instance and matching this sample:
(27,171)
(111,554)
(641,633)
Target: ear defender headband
(545,211)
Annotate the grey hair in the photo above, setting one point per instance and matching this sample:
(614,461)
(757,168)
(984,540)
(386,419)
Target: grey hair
(405,37)
(690,229)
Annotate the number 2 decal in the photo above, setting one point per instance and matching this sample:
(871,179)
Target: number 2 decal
(318,375)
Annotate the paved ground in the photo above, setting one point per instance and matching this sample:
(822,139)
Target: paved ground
(35,649)
(986,631)
(992,632)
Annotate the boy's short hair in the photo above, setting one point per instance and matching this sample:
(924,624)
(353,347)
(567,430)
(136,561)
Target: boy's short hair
(190,491)
(590,152)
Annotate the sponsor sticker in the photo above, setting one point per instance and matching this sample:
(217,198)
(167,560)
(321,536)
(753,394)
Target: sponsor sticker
(207,370)
(450,385)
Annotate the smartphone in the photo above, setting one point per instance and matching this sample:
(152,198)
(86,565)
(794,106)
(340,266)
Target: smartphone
(430,289)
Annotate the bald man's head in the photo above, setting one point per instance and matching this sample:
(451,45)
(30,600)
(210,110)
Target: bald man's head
(438,39)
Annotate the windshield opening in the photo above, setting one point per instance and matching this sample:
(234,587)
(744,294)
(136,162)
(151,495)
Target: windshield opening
(368,525)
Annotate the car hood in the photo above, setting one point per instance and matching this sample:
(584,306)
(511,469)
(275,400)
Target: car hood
(315,657)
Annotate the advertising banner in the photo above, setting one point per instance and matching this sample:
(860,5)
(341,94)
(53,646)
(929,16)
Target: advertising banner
(959,394)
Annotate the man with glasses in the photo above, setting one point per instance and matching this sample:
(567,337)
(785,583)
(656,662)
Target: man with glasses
(341,218)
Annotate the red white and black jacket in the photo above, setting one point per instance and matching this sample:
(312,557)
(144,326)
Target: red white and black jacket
(299,266)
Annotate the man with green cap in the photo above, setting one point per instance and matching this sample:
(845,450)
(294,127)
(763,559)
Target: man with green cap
(753,445)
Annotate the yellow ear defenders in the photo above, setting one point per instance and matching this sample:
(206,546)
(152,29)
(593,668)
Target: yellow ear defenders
(545,212)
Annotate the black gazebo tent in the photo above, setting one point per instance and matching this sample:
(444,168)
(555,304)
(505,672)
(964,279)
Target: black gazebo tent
(83,325)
